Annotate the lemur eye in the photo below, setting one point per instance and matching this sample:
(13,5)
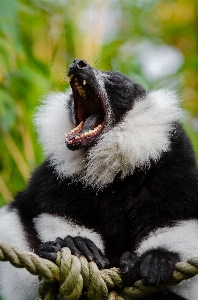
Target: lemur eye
(115,81)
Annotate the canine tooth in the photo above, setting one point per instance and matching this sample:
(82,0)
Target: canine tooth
(84,81)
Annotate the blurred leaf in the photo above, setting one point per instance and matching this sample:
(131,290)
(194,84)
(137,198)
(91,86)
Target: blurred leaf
(7,114)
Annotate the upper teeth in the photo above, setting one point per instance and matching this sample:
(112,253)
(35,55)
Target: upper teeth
(80,88)
(70,78)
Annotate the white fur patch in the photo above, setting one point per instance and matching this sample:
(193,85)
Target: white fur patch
(187,288)
(52,121)
(50,227)
(142,136)
(11,229)
(12,234)
(182,238)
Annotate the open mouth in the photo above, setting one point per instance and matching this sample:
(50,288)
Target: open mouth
(89,112)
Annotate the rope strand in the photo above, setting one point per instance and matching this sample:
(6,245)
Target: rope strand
(72,277)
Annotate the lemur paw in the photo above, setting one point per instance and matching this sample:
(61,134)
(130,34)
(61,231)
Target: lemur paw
(83,246)
(155,267)
(78,246)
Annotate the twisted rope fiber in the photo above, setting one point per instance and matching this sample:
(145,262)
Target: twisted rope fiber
(71,277)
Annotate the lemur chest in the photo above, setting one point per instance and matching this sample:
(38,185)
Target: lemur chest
(93,211)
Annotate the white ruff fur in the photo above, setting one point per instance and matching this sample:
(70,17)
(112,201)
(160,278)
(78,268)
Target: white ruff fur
(52,121)
(142,136)
(182,238)
(50,227)
(12,279)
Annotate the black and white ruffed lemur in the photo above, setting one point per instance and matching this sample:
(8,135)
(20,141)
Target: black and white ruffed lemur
(121,188)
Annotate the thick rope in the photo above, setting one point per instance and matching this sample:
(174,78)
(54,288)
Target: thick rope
(72,278)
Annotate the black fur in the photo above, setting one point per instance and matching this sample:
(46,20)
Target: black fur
(166,295)
(125,89)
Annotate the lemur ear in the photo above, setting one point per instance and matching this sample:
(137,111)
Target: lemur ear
(139,91)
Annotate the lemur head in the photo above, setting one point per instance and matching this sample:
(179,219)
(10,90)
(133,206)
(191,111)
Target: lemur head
(100,100)
(114,125)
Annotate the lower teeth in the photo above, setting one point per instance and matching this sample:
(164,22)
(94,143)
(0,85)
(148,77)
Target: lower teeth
(83,135)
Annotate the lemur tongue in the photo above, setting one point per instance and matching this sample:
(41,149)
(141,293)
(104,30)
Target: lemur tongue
(92,121)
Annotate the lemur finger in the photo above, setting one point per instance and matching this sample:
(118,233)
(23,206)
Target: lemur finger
(106,262)
(127,263)
(127,267)
(61,242)
(51,246)
(99,257)
(70,244)
(81,245)
(48,255)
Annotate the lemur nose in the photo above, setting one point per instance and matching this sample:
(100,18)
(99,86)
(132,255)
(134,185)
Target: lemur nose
(80,63)
(77,64)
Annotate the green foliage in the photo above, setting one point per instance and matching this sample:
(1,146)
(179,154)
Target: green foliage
(193,135)
(38,41)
